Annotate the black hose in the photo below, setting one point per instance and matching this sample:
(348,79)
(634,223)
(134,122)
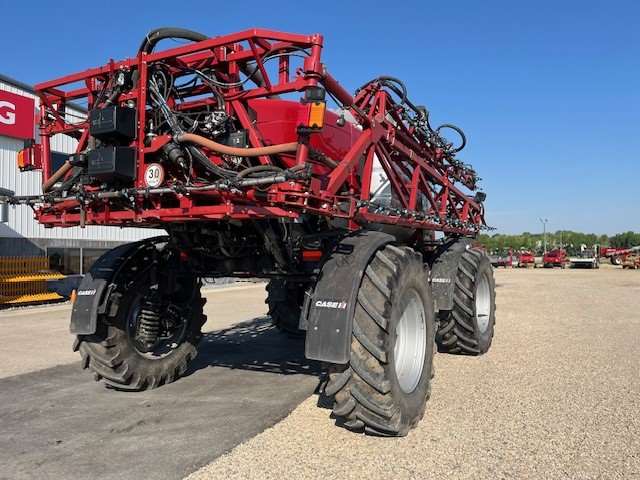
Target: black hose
(385,79)
(459,131)
(388,81)
(162,33)
(155,36)
(398,87)
(209,166)
(258,169)
(322,158)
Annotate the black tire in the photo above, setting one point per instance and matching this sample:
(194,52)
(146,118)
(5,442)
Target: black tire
(616,260)
(111,354)
(367,393)
(459,330)
(285,305)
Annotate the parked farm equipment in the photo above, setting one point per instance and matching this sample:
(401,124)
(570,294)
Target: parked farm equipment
(587,258)
(631,261)
(204,141)
(617,256)
(555,258)
(526,259)
(503,260)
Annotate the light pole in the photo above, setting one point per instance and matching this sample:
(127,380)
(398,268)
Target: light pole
(544,232)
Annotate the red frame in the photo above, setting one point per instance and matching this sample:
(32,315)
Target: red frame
(416,171)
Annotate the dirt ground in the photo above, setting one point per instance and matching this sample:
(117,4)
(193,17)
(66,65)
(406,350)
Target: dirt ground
(558,396)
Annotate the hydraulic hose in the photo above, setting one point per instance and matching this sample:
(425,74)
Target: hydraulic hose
(155,36)
(261,169)
(235,151)
(57,176)
(458,130)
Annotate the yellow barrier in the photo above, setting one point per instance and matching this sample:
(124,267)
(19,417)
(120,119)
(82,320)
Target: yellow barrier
(24,280)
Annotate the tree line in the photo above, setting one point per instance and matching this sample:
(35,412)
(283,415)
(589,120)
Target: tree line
(571,241)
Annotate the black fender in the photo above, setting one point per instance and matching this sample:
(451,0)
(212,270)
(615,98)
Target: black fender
(444,265)
(95,288)
(332,306)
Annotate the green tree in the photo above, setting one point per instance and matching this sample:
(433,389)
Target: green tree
(625,240)
(571,241)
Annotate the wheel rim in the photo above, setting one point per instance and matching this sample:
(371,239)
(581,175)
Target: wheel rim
(483,303)
(411,341)
(165,344)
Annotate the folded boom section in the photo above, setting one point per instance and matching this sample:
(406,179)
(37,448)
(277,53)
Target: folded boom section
(237,127)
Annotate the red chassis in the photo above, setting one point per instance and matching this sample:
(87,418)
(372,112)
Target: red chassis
(427,181)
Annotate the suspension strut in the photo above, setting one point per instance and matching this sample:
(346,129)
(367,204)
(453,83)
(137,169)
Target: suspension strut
(148,325)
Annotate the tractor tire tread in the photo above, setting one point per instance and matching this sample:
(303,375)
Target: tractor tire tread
(363,399)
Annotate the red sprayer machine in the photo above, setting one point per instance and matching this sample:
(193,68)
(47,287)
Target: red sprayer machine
(228,145)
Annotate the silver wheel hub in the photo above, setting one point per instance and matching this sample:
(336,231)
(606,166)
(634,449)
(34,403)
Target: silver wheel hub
(411,343)
(483,303)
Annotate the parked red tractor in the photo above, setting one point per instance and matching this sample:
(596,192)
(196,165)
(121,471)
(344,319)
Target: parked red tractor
(503,260)
(205,141)
(526,259)
(555,258)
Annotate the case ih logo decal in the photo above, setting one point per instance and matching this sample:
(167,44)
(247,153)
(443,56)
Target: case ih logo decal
(16,115)
(440,280)
(331,304)
(86,292)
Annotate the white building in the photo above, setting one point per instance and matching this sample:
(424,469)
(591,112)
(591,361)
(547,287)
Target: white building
(75,248)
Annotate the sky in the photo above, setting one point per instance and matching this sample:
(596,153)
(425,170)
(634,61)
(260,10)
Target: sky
(548,92)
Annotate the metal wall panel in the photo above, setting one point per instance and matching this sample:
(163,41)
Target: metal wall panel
(21,222)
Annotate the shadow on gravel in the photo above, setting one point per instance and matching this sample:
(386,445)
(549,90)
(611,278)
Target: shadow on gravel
(236,348)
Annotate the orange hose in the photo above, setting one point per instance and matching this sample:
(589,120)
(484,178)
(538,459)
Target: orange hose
(59,174)
(235,151)
(203,142)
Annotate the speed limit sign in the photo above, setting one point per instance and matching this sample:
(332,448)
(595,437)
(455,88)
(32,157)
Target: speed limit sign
(154,175)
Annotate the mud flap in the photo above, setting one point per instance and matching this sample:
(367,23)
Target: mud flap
(93,291)
(333,302)
(443,272)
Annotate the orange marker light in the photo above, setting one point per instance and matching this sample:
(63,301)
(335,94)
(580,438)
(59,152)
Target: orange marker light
(30,158)
(21,162)
(316,115)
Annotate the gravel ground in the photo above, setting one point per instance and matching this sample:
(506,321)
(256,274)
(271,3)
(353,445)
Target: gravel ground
(558,396)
